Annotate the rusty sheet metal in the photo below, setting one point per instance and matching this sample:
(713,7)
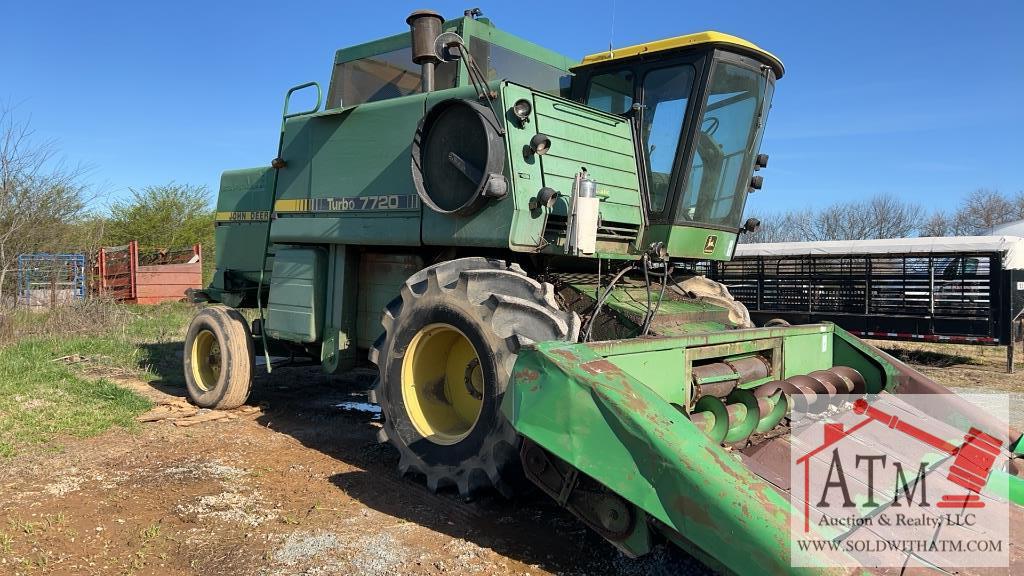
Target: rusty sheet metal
(610,426)
(579,402)
(906,380)
(629,346)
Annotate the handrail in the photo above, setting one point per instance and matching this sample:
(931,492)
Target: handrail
(273,198)
(288,96)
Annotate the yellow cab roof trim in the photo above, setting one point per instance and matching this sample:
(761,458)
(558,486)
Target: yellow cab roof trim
(708,37)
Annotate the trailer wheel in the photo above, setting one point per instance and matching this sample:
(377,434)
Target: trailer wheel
(218,358)
(444,361)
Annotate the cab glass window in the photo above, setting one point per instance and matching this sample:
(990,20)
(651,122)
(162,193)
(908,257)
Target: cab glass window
(666,95)
(382,76)
(611,92)
(500,63)
(728,137)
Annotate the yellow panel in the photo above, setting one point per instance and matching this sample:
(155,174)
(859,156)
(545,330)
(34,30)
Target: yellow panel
(292,205)
(709,37)
(249,216)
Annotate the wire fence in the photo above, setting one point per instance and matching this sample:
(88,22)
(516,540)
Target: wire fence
(51,279)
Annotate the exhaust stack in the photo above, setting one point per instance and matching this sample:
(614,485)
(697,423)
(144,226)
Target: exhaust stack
(425,26)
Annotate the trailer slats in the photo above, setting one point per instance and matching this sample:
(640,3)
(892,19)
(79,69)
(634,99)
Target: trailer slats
(149,278)
(938,296)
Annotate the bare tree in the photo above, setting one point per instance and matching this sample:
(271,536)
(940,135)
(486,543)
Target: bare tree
(835,222)
(938,224)
(776,227)
(977,213)
(886,216)
(1017,203)
(980,211)
(881,216)
(39,194)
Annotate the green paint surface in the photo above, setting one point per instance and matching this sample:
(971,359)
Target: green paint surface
(295,310)
(609,416)
(693,242)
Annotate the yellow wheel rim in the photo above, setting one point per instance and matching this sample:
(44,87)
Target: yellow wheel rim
(206,360)
(442,384)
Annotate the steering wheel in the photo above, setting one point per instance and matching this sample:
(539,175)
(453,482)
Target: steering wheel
(712,125)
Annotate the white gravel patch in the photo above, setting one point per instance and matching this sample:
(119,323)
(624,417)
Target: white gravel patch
(301,546)
(378,555)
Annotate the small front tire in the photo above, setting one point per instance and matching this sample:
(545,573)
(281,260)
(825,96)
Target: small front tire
(218,358)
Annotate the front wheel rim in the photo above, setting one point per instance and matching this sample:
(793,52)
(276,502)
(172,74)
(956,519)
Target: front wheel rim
(206,360)
(442,384)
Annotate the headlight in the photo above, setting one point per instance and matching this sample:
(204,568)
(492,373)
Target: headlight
(521,110)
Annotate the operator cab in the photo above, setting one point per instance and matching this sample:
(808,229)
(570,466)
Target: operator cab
(698,103)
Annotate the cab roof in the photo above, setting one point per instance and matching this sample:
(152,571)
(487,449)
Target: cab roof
(686,41)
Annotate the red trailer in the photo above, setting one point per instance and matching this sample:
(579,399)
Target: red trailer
(150,277)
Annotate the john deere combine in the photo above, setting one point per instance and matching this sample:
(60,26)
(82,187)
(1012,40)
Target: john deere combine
(512,236)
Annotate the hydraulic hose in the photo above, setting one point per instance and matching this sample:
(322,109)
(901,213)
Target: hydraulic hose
(604,297)
(657,305)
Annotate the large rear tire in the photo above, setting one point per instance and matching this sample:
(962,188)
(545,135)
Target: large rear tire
(218,358)
(444,361)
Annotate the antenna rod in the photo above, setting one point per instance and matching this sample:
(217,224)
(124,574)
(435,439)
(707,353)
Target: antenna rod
(611,33)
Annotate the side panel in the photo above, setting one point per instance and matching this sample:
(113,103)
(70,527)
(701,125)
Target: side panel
(295,308)
(603,143)
(580,136)
(525,179)
(487,228)
(243,206)
(381,277)
(348,178)
(243,214)
(338,352)
(693,242)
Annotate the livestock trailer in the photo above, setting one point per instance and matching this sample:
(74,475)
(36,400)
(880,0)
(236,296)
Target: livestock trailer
(964,290)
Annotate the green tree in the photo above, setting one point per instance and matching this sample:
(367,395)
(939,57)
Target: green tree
(166,216)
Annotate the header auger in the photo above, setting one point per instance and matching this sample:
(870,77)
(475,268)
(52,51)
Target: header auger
(511,236)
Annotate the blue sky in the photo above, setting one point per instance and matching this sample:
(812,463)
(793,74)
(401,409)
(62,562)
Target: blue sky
(919,99)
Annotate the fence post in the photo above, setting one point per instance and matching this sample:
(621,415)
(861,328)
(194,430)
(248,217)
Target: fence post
(867,286)
(102,264)
(1016,333)
(931,289)
(133,263)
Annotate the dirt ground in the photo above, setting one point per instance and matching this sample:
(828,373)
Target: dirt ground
(301,486)
(968,370)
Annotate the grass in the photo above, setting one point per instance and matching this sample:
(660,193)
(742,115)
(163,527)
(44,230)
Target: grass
(150,532)
(43,396)
(934,358)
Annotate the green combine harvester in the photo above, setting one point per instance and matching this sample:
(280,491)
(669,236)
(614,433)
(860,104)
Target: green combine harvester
(512,236)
